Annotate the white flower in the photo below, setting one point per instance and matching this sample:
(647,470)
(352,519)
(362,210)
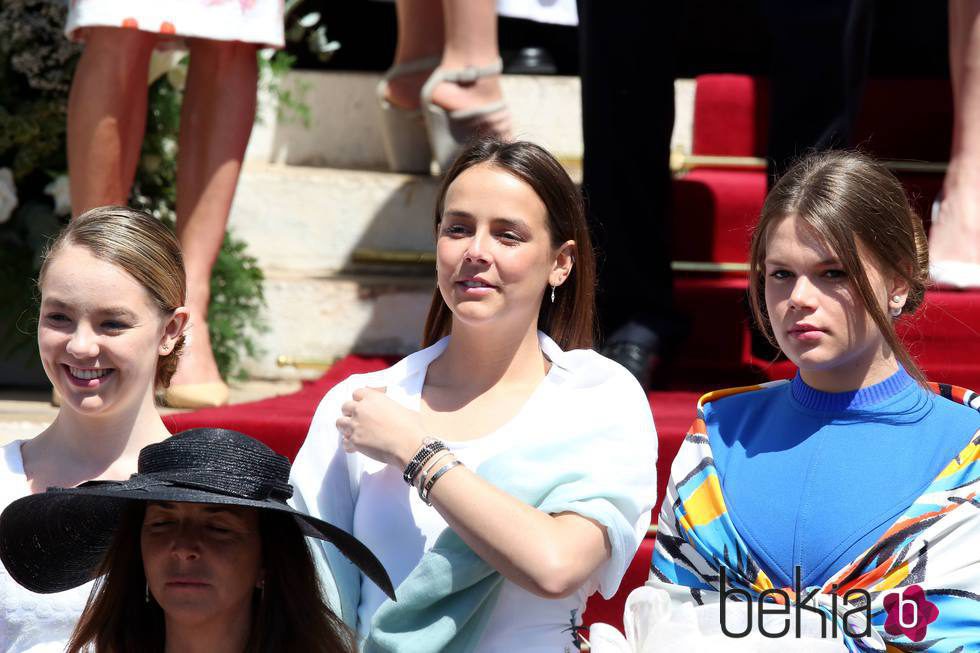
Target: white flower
(8,194)
(162,62)
(177,76)
(61,194)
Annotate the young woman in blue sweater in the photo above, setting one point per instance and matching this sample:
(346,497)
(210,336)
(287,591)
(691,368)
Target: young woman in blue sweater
(851,489)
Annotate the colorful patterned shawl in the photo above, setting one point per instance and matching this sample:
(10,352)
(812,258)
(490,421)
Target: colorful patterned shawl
(934,545)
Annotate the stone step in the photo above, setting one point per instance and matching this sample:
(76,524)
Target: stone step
(324,318)
(308,221)
(344,129)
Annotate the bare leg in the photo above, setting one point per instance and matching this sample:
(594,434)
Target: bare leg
(464,32)
(420,35)
(215,124)
(956,237)
(107,116)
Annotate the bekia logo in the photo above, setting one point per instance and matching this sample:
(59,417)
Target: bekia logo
(909,613)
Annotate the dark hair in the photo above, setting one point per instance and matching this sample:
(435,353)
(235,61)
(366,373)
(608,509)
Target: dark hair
(144,248)
(570,321)
(290,614)
(848,198)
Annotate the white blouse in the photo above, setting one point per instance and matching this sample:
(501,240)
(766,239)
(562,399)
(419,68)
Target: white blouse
(581,390)
(29,622)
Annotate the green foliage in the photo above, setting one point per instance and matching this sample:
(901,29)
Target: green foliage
(290,101)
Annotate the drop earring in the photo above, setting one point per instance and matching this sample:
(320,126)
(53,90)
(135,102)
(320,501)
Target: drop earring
(146,593)
(552,294)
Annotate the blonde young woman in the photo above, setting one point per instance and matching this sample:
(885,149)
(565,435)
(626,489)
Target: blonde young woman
(843,503)
(109,332)
(505,472)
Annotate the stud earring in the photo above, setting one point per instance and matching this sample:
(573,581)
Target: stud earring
(552,294)
(895,311)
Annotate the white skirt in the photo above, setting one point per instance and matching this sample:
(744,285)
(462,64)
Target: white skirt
(251,21)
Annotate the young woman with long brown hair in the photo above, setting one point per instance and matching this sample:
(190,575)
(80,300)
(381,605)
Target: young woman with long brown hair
(506,472)
(850,489)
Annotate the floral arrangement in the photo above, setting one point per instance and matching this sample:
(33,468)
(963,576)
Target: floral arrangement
(36,67)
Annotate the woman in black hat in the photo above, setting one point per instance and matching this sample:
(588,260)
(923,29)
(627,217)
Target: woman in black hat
(198,551)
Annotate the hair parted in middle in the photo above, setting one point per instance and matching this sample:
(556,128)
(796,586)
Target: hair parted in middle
(860,210)
(570,320)
(289,614)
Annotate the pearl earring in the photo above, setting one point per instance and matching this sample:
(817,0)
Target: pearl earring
(895,311)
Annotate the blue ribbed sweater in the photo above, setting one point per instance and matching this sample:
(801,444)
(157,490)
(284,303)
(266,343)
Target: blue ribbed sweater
(813,478)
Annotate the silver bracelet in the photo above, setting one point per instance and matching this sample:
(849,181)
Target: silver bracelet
(425,490)
(428,467)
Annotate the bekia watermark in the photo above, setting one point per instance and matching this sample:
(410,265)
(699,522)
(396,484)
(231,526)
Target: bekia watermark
(909,612)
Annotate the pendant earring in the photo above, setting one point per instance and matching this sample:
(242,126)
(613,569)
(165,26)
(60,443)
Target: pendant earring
(146,593)
(552,294)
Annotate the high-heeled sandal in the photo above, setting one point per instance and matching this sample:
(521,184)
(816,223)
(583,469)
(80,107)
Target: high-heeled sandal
(956,274)
(449,131)
(403,130)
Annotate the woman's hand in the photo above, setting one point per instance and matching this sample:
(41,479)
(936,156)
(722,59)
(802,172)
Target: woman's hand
(380,428)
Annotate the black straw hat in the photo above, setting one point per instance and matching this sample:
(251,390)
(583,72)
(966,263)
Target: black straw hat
(54,541)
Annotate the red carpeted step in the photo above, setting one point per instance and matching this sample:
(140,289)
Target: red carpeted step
(716,344)
(731,115)
(714,212)
(281,422)
(899,118)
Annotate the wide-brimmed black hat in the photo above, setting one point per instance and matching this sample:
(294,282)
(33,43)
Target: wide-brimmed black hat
(54,541)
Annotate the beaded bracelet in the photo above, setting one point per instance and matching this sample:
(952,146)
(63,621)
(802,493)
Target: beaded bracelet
(427,488)
(430,446)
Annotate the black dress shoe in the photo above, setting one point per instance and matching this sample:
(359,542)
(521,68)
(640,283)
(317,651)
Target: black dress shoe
(530,61)
(637,348)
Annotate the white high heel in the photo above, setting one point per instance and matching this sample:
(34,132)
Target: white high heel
(403,131)
(449,131)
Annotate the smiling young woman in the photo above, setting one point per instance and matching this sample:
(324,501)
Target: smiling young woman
(506,472)
(110,330)
(855,475)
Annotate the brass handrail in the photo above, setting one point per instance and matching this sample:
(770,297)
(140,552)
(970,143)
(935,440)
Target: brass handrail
(367,256)
(320,364)
(683,162)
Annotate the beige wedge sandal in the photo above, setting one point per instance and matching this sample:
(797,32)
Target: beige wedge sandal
(403,131)
(449,131)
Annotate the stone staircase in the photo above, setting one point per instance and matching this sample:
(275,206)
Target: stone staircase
(311,196)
